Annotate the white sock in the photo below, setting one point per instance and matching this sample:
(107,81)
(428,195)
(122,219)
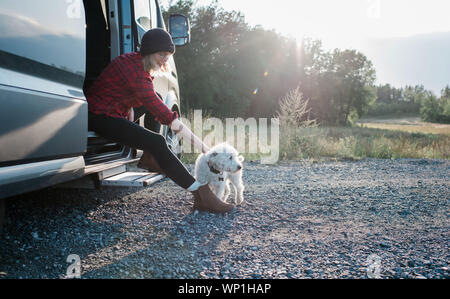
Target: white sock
(195,186)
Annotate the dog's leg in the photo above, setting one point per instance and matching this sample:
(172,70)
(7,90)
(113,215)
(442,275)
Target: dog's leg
(236,180)
(221,190)
(227,191)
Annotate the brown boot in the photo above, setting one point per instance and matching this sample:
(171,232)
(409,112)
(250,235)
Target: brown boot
(149,163)
(206,200)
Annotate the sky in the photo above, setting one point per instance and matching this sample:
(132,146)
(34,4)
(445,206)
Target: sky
(344,23)
(351,24)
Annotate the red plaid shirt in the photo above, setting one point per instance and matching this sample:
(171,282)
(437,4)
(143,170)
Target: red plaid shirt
(124,84)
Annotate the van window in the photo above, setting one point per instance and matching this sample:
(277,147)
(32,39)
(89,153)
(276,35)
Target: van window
(44,39)
(142,14)
(154,13)
(146,15)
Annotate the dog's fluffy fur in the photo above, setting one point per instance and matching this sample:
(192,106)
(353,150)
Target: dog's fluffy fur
(221,165)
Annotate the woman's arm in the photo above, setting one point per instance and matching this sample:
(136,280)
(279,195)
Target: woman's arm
(180,129)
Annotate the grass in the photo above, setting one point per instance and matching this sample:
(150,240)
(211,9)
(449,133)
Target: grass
(406,124)
(369,138)
(361,142)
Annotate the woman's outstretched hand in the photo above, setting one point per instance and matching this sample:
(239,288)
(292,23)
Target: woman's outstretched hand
(180,129)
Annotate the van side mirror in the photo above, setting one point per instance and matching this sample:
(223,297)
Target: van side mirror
(179,29)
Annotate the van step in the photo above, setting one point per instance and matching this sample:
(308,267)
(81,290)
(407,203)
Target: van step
(132,179)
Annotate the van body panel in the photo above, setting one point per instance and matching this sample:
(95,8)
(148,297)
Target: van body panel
(172,100)
(173,85)
(44,39)
(50,126)
(43,109)
(50,51)
(26,81)
(28,177)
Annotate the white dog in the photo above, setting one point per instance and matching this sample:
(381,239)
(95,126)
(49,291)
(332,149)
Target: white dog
(221,165)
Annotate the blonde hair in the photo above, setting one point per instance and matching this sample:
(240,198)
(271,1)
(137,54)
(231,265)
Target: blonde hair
(149,63)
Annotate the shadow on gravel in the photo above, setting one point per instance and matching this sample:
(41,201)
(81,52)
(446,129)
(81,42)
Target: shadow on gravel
(181,252)
(124,233)
(179,248)
(43,228)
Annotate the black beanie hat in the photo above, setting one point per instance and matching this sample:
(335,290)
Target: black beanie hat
(156,40)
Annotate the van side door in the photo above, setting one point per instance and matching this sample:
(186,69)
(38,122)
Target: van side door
(43,111)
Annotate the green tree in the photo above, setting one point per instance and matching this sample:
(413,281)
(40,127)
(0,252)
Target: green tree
(234,70)
(445,93)
(388,94)
(397,101)
(356,77)
(229,68)
(429,111)
(435,109)
(208,72)
(339,84)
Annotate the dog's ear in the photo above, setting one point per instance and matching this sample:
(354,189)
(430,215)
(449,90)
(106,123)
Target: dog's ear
(241,158)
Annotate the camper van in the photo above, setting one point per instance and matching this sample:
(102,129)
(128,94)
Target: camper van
(50,53)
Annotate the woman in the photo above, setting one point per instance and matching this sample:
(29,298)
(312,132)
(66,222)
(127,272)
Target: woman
(127,82)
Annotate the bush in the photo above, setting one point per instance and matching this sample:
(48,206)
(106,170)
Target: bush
(294,110)
(436,110)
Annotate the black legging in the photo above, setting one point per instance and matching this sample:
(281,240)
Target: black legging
(131,134)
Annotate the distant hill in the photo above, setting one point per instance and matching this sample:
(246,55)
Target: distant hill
(420,59)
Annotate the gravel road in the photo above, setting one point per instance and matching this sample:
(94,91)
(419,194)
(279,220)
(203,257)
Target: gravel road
(372,218)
